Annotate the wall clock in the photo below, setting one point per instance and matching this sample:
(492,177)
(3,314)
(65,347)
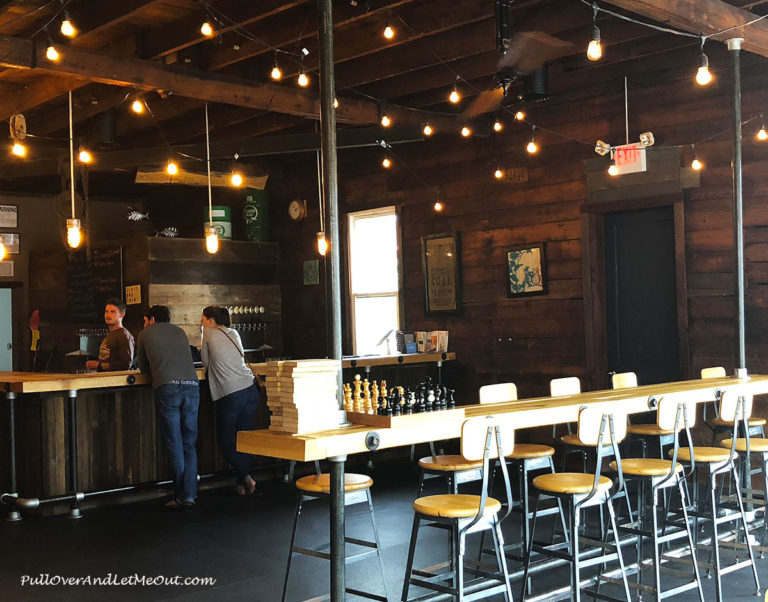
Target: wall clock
(297,210)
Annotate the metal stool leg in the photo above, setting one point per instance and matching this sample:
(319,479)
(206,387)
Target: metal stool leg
(575,569)
(529,551)
(746,530)
(501,558)
(378,542)
(290,549)
(409,562)
(684,501)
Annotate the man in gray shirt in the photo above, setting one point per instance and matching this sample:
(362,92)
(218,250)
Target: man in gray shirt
(163,351)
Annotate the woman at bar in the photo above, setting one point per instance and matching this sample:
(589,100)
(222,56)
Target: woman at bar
(232,389)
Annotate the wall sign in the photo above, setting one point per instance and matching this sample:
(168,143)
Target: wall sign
(442,273)
(6,269)
(9,216)
(11,242)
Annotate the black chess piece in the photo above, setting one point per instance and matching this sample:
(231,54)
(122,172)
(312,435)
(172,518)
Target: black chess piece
(451,400)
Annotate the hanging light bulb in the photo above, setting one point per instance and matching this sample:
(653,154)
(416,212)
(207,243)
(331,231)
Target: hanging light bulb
(696,165)
(389,33)
(498,174)
(211,239)
(206,29)
(438,207)
(762,134)
(335,103)
(84,156)
(51,53)
(18,149)
(236,180)
(497,125)
(519,116)
(303,80)
(386,162)
(137,106)
(67,28)
(276,74)
(74,234)
(386,121)
(466,132)
(532,147)
(703,76)
(613,169)
(594,50)
(172,168)
(428,131)
(454,96)
(322,243)
(3,251)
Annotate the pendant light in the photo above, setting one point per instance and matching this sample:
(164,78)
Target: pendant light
(3,251)
(211,236)
(74,234)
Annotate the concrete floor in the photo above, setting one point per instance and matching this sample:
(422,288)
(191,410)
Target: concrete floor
(241,542)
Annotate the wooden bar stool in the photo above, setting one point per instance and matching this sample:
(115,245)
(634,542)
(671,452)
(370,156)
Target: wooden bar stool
(482,439)
(656,475)
(721,426)
(735,406)
(599,428)
(357,489)
(560,387)
(646,434)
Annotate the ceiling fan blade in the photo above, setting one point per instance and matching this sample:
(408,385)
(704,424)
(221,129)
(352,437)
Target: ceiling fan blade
(528,50)
(485,102)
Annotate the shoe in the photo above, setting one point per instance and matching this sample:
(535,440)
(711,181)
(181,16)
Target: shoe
(240,489)
(250,486)
(176,504)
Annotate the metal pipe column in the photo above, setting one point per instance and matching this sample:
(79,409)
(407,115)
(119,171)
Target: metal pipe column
(74,510)
(14,514)
(338,552)
(734,48)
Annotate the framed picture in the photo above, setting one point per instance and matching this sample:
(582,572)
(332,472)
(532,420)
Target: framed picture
(442,273)
(11,241)
(526,270)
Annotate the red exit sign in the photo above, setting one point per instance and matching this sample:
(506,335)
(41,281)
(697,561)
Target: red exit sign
(629,158)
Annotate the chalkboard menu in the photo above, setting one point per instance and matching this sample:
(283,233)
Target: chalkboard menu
(92,278)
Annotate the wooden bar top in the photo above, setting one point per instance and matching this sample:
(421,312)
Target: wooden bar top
(540,411)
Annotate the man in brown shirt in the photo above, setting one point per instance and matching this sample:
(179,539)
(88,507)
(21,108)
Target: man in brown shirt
(116,350)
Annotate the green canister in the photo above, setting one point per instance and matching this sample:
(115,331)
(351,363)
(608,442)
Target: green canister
(222,221)
(256,214)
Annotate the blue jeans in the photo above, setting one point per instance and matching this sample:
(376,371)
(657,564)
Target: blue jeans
(176,406)
(236,412)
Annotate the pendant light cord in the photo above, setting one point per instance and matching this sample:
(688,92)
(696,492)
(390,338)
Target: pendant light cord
(208,161)
(71,159)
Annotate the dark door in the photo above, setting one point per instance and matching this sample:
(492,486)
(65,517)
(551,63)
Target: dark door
(641,294)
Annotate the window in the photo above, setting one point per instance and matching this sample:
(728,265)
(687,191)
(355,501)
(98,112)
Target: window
(374,280)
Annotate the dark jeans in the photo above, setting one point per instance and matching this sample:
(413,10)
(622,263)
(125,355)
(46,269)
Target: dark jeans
(236,412)
(176,406)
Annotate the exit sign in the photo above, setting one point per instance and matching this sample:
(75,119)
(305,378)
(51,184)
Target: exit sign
(629,158)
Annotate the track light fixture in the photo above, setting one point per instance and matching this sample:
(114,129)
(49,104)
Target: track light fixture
(703,75)
(594,50)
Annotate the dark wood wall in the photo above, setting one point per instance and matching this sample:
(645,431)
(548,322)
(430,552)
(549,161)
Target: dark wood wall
(530,340)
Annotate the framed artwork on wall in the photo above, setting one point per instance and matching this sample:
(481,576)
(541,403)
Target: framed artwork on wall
(442,273)
(526,270)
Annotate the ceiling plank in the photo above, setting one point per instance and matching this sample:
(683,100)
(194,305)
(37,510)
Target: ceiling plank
(704,17)
(190,83)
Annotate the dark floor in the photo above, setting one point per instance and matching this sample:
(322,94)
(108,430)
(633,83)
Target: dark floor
(240,542)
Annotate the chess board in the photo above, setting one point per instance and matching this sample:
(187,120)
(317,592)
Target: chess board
(406,420)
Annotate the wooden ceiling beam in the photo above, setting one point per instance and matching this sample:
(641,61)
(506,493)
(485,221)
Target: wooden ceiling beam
(150,75)
(704,17)
(95,16)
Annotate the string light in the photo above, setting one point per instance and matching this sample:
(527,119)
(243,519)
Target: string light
(762,134)
(386,121)
(67,28)
(696,165)
(84,156)
(497,126)
(18,149)
(206,29)
(335,103)
(322,243)
(172,169)
(438,207)
(613,169)
(454,96)
(389,32)
(236,180)
(276,73)
(594,50)
(428,131)
(386,162)
(703,75)
(498,174)
(2,250)
(303,80)
(51,53)
(519,116)
(137,106)
(466,132)
(532,147)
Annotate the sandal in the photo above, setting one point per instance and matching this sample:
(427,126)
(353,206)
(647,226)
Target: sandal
(250,485)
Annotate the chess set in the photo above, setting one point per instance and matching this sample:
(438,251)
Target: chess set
(374,403)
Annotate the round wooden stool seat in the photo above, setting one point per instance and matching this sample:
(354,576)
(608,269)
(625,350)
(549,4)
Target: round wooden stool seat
(647,429)
(448,463)
(570,482)
(752,422)
(702,454)
(527,451)
(646,467)
(756,444)
(573,439)
(321,483)
(455,505)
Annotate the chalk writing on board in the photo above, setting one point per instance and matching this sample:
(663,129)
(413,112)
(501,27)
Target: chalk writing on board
(91,280)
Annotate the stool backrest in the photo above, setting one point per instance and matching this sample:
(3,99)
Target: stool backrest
(667,417)
(475,432)
(713,372)
(592,425)
(570,385)
(735,405)
(498,393)
(624,380)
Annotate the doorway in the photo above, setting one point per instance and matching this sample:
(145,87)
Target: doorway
(6,331)
(641,301)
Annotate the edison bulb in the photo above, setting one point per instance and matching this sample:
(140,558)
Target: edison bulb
(428,131)
(172,168)
(303,80)
(498,174)
(454,96)
(211,240)
(206,29)
(532,147)
(74,234)
(389,33)
(67,29)
(703,76)
(2,250)
(335,103)
(761,134)
(19,150)
(137,106)
(322,243)
(85,156)
(594,50)
(613,170)
(51,53)
(519,116)
(438,207)
(276,74)
(466,132)
(497,126)
(386,162)
(236,180)
(696,165)
(386,121)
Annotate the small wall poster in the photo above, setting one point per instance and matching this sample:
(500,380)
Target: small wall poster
(9,216)
(312,272)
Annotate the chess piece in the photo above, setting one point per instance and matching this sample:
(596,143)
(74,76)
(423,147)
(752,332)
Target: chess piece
(451,400)
(374,398)
(348,397)
(358,386)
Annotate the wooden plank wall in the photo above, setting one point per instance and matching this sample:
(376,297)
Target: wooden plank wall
(530,340)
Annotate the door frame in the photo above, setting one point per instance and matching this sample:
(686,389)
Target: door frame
(593,275)
(16,311)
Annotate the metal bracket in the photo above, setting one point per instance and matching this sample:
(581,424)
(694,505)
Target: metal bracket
(372,440)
